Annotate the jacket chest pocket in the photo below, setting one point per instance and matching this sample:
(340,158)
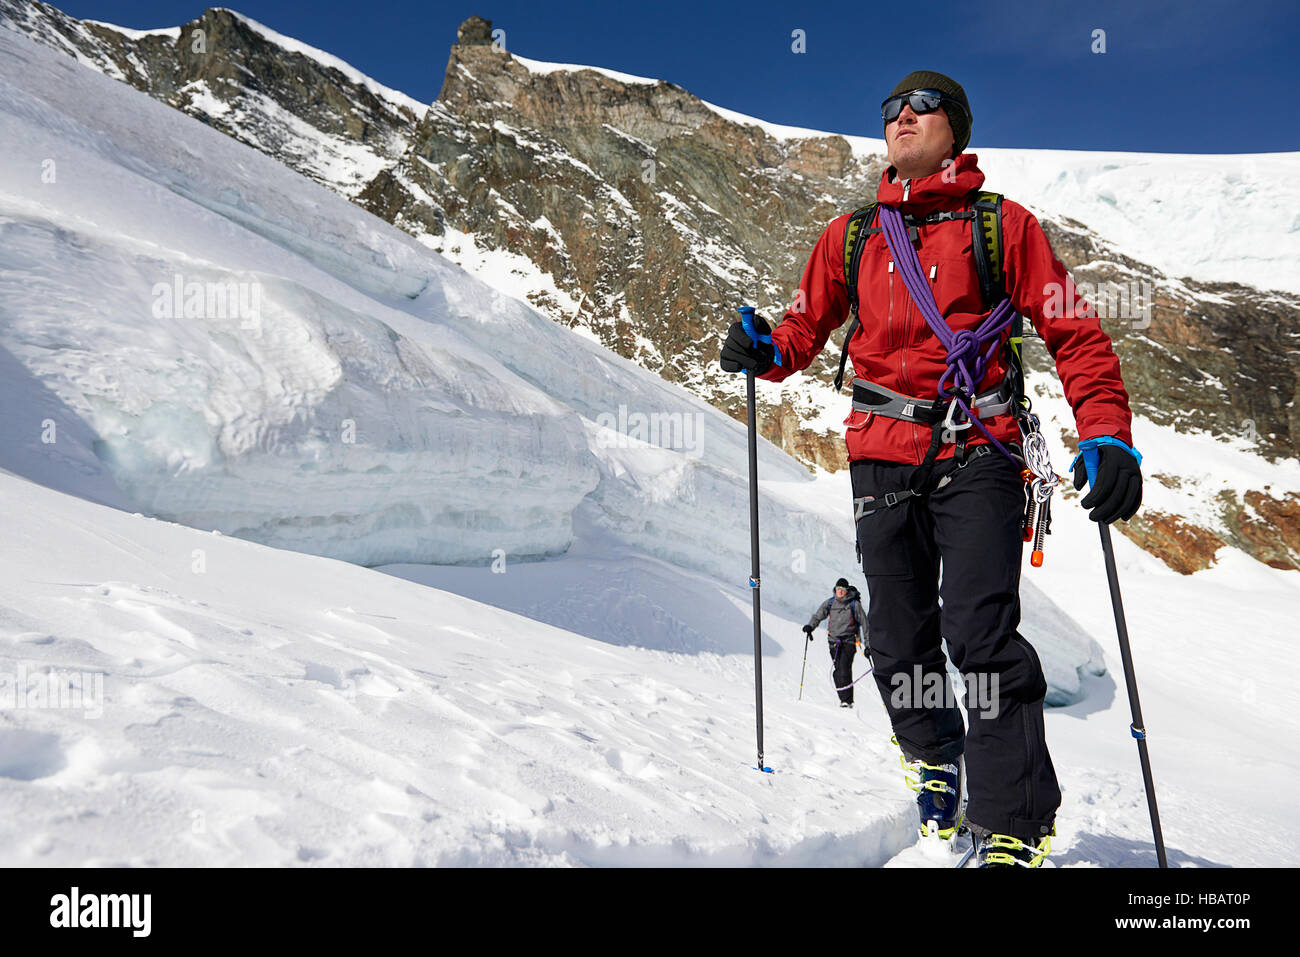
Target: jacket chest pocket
(885,297)
(955,285)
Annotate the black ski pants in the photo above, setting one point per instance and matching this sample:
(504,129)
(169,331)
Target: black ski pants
(842,653)
(971,528)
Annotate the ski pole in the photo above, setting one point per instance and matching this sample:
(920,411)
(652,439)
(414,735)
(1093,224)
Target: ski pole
(804,669)
(747,320)
(1138,729)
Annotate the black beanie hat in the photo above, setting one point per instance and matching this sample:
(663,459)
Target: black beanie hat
(842,583)
(930,80)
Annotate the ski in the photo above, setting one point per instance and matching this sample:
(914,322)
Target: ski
(968,853)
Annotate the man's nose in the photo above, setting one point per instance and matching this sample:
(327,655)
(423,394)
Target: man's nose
(907,114)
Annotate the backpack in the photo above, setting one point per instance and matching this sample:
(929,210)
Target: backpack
(853,596)
(985,215)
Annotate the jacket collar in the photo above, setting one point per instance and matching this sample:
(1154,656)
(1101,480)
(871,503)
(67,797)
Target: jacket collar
(946,189)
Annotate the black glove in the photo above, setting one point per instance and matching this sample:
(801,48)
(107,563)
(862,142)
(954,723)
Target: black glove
(808,630)
(1117,493)
(739,351)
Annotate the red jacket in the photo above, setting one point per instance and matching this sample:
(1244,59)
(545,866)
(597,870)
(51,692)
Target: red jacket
(896,348)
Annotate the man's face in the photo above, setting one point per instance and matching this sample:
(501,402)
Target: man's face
(840,591)
(918,141)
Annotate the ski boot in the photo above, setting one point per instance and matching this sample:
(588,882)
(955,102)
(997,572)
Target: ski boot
(938,790)
(846,704)
(1003,850)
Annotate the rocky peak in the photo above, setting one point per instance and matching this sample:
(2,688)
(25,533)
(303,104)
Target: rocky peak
(474,32)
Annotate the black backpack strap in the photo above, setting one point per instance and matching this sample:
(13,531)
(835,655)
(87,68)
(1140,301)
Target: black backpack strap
(986,243)
(855,239)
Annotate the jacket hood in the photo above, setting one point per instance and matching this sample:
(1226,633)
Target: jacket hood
(945,189)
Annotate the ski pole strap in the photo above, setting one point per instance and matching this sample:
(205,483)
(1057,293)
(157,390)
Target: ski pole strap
(747,320)
(1139,733)
(1089,451)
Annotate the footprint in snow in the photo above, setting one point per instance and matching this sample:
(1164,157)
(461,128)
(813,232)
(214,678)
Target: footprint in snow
(29,755)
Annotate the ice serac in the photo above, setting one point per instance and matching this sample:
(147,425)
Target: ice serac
(225,339)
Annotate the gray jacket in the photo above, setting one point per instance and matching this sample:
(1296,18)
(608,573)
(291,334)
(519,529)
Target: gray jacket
(847,619)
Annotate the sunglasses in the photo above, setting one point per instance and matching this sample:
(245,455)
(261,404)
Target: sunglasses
(921,101)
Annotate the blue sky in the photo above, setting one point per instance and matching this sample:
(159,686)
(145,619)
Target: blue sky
(1182,76)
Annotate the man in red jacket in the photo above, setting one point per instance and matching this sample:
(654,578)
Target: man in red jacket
(957,500)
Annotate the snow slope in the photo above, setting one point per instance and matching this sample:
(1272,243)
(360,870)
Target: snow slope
(262,707)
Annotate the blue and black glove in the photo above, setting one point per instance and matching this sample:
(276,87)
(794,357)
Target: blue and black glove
(740,353)
(1115,479)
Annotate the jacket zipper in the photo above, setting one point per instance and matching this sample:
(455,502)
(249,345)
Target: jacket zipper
(902,347)
(890,338)
(906,387)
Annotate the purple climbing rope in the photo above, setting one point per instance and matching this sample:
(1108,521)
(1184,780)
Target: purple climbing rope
(853,682)
(836,642)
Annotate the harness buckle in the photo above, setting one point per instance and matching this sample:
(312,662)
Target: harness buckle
(891,499)
(978,452)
